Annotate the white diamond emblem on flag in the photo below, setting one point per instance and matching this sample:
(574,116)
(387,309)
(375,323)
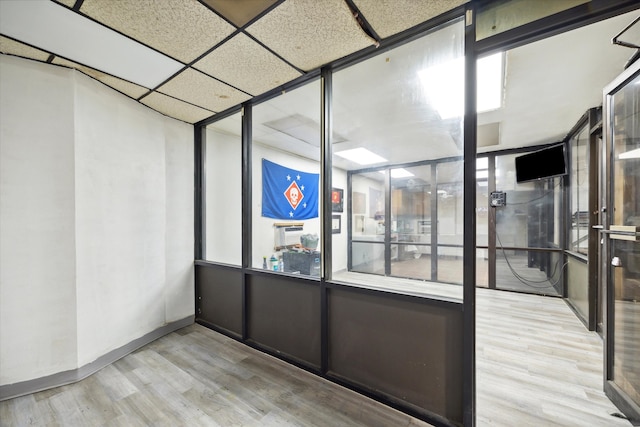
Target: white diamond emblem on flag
(294,195)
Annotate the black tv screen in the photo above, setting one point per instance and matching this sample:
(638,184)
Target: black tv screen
(546,163)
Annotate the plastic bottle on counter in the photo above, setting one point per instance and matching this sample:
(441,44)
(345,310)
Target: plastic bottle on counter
(274,262)
(315,268)
(280,264)
(264,262)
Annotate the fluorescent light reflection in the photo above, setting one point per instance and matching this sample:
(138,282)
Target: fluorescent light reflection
(361,156)
(489,87)
(443,85)
(398,173)
(482,174)
(631,154)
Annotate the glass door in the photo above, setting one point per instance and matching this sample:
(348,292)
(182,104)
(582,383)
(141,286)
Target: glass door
(623,242)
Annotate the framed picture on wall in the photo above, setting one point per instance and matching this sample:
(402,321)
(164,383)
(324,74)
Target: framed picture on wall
(336,224)
(336,199)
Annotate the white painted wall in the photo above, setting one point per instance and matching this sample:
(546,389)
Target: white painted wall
(37,228)
(96,217)
(179,289)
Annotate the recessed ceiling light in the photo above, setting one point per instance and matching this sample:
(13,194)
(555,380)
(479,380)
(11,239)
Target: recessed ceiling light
(56,29)
(361,156)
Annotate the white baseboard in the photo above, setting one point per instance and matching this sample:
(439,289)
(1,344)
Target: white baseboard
(10,391)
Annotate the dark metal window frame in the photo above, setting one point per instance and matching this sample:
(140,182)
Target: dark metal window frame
(433,244)
(617,395)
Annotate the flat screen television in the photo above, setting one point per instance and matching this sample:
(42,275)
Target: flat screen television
(546,163)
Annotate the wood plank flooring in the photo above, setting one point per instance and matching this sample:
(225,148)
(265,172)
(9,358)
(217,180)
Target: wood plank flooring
(536,366)
(197,377)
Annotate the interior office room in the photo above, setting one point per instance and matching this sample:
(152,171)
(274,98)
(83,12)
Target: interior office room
(345,212)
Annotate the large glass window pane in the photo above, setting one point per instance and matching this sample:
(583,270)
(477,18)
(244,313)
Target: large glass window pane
(482,221)
(395,116)
(625,277)
(530,219)
(368,207)
(579,226)
(223,191)
(411,222)
(502,15)
(450,221)
(286,182)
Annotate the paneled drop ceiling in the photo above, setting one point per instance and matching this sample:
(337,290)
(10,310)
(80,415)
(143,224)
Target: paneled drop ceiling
(190,59)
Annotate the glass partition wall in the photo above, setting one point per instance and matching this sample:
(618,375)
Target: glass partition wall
(386,132)
(621,264)
(223,187)
(529,255)
(392,159)
(399,140)
(285,149)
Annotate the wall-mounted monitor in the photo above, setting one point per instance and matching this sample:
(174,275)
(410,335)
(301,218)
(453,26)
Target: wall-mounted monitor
(549,162)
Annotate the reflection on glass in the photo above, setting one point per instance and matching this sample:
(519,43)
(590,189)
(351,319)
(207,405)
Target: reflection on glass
(399,124)
(625,277)
(579,228)
(411,204)
(286,181)
(412,262)
(482,221)
(450,203)
(529,271)
(482,268)
(626,283)
(502,15)
(367,257)
(223,187)
(450,265)
(530,219)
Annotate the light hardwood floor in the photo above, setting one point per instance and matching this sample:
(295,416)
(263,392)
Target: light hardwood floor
(536,366)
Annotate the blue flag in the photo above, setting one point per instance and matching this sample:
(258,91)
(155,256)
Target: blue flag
(288,193)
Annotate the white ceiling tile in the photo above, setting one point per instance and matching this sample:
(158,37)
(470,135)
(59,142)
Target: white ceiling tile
(130,89)
(12,47)
(183,30)
(388,17)
(175,108)
(199,89)
(245,64)
(309,34)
